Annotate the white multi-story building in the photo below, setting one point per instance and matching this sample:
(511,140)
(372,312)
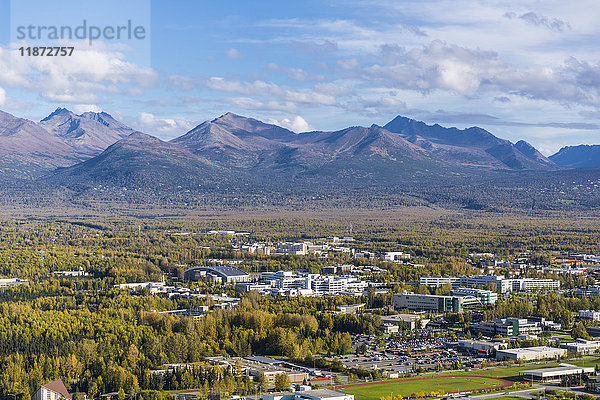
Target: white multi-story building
(395,256)
(299,249)
(582,346)
(589,314)
(318,284)
(503,285)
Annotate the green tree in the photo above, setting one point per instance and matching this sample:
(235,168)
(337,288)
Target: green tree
(282,382)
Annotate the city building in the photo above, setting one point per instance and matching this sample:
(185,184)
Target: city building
(502,284)
(219,273)
(254,366)
(11,282)
(555,373)
(317,394)
(480,346)
(428,302)
(530,353)
(407,321)
(305,284)
(484,296)
(589,314)
(52,391)
(582,346)
(591,291)
(298,249)
(508,327)
(395,256)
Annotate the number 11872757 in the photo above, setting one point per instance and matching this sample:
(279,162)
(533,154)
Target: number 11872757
(46,51)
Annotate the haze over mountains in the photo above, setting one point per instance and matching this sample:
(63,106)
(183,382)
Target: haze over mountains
(91,150)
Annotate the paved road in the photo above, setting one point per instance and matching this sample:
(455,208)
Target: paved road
(525,393)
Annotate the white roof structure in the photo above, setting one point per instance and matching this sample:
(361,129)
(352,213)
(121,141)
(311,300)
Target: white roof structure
(557,372)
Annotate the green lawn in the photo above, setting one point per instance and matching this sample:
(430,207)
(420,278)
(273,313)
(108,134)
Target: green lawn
(406,388)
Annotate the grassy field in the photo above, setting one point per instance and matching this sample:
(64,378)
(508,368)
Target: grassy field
(408,387)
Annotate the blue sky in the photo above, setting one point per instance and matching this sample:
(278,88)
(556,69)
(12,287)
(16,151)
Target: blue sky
(521,69)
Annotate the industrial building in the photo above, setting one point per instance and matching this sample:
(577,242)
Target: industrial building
(556,373)
(317,394)
(428,302)
(530,353)
(219,273)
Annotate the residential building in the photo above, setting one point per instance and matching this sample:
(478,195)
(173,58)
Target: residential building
(427,302)
(52,391)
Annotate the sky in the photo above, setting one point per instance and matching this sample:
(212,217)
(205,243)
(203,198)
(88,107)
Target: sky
(520,69)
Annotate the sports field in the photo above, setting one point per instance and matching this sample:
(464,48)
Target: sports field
(428,384)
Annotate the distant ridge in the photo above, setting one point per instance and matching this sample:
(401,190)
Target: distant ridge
(578,156)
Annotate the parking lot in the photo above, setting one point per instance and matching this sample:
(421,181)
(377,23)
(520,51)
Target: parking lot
(397,356)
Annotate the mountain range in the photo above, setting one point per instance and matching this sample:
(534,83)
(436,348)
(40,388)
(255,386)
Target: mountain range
(88,150)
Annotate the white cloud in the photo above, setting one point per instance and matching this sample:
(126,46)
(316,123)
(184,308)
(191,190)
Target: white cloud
(80,78)
(298,124)
(234,53)
(81,108)
(2,96)
(182,82)
(248,103)
(272,90)
(164,127)
(296,74)
(348,63)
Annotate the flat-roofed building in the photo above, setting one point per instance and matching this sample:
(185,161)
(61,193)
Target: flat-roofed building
(480,346)
(556,373)
(582,346)
(428,302)
(11,282)
(409,321)
(484,296)
(589,314)
(317,394)
(530,353)
(508,327)
(224,273)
